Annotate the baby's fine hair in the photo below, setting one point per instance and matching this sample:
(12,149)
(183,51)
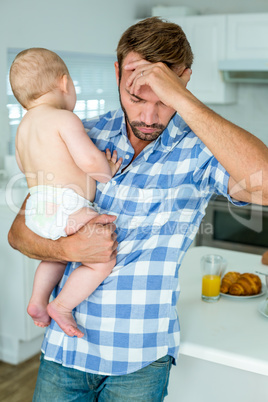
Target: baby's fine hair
(35,72)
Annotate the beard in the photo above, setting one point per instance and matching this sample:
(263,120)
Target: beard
(134,125)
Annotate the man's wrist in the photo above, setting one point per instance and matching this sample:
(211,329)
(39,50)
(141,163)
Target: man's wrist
(63,250)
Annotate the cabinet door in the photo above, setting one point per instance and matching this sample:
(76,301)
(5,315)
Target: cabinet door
(31,330)
(247,36)
(207,36)
(12,313)
(16,278)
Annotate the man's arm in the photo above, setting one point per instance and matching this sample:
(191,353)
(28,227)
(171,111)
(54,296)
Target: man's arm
(93,243)
(243,155)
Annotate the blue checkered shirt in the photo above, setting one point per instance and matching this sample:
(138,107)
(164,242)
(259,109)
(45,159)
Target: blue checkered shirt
(130,320)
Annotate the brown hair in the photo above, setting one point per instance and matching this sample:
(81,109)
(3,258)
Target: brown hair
(34,72)
(156,40)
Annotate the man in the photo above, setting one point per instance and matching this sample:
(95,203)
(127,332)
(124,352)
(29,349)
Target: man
(176,153)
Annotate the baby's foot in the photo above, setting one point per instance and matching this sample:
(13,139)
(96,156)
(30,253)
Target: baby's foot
(64,319)
(39,314)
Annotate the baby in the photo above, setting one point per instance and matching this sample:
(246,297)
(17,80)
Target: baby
(61,165)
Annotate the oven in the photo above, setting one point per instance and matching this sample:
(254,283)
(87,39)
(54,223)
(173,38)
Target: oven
(235,228)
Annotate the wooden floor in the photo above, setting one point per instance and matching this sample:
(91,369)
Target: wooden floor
(17,382)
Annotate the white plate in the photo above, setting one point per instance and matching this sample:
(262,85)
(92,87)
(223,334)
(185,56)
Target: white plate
(263,308)
(263,291)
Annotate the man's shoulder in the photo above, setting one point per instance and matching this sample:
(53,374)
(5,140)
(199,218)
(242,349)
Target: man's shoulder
(93,121)
(181,135)
(102,121)
(184,143)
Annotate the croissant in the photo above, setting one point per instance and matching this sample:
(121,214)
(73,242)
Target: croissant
(264,259)
(228,280)
(246,285)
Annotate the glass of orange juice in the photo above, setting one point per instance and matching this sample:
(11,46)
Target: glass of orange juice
(212,266)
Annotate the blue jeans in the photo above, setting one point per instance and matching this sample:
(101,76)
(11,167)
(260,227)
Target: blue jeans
(62,384)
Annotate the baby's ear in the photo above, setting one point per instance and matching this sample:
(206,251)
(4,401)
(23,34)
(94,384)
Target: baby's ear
(63,83)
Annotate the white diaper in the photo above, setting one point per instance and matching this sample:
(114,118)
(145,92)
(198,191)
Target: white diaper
(48,209)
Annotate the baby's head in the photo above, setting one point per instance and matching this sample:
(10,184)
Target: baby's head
(35,72)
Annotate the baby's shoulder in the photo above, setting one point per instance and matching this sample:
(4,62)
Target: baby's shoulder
(23,125)
(63,115)
(68,120)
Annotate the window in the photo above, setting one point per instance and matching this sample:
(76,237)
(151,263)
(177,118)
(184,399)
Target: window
(94,81)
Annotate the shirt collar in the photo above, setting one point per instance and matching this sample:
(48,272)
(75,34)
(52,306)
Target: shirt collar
(117,124)
(173,133)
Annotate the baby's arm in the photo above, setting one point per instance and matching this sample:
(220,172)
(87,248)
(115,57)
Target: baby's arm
(84,153)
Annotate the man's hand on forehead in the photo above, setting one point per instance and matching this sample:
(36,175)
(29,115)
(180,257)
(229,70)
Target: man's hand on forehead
(163,81)
(142,67)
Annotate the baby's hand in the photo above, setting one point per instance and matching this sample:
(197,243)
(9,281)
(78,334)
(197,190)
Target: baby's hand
(113,162)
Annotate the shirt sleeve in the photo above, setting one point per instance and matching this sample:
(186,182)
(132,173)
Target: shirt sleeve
(214,175)
(221,184)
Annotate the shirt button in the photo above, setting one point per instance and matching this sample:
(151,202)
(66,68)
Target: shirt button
(127,157)
(113,182)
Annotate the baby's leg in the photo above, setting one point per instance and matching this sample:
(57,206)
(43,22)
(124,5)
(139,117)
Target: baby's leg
(47,275)
(80,284)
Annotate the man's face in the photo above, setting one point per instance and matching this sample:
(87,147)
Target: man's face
(146,116)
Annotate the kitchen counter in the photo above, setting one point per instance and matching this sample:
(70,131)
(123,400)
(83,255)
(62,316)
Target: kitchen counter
(224,345)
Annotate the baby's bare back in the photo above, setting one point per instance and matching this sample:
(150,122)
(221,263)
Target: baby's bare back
(44,155)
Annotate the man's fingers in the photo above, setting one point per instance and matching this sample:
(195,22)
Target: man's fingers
(139,68)
(134,64)
(139,74)
(114,254)
(114,236)
(186,76)
(103,219)
(111,228)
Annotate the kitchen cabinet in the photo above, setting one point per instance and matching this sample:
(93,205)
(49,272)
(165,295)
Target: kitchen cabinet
(247,36)
(215,38)
(207,37)
(19,337)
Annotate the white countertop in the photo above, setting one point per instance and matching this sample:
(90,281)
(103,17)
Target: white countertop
(230,331)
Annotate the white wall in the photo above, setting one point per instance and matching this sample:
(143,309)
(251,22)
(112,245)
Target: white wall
(250,111)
